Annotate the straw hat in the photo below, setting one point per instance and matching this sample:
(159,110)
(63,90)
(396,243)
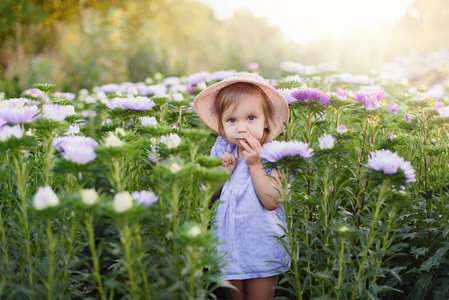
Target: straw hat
(205,102)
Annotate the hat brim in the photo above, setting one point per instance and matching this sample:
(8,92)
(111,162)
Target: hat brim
(205,102)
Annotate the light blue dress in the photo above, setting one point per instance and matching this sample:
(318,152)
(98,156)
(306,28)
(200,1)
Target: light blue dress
(247,231)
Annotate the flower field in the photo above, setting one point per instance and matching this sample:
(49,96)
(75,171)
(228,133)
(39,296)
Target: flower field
(106,194)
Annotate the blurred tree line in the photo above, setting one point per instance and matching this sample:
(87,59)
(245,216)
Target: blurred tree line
(83,43)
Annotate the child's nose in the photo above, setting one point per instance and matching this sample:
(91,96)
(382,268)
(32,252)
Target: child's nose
(241,128)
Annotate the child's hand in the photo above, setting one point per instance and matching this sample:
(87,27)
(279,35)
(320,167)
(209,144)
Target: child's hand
(252,149)
(229,161)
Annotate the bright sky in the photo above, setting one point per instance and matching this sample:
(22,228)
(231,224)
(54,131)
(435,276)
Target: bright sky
(308,20)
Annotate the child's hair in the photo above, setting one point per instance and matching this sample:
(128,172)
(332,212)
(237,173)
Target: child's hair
(233,93)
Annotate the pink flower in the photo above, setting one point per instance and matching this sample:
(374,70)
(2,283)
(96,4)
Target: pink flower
(253,66)
(393,107)
(342,94)
(341,128)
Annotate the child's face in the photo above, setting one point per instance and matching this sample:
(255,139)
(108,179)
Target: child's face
(245,117)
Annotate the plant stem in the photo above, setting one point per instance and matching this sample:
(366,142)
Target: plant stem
(126,239)
(369,242)
(93,250)
(340,267)
(50,255)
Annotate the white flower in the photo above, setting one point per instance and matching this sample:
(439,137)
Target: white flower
(201,85)
(175,168)
(145,121)
(194,231)
(444,111)
(112,141)
(120,131)
(326,141)
(45,197)
(88,196)
(178,97)
(122,202)
(9,131)
(173,140)
(73,129)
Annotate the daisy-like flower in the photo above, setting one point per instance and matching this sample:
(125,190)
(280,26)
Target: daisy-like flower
(342,94)
(287,95)
(112,88)
(393,106)
(391,136)
(44,198)
(156,90)
(13,103)
(306,94)
(7,132)
(138,103)
(122,202)
(147,121)
(172,141)
(220,75)
(196,78)
(144,197)
(73,129)
(389,163)
(171,81)
(326,141)
(20,115)
(57,112)
(61,143)
(2,122)
(438,104)
(277,150)
(68,96)
(35,92)
(80,155)
(370,97)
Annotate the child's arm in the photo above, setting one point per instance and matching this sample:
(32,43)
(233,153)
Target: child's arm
(263,184)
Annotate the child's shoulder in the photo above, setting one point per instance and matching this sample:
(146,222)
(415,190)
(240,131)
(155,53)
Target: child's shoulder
(221,146)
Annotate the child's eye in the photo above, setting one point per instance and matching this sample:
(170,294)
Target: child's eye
(251,118)
(231,120)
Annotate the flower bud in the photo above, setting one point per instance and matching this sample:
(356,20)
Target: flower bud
(341,128)
(122,202)
(178,97)
(88,196)
(201,85)
(45,197)
(175,168)
(173,140)
(112,141)
(194,231)
(326,141)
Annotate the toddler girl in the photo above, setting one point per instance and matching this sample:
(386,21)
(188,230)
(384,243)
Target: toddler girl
(248,113)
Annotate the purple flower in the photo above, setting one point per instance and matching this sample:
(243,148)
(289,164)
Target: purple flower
(370,97)
(277,150)
(220,75)
(13,103)
(436,91)
(61,143)
(35,93)
(156,90)
(253,66)
(342,94)
(438,104)
(341,128)
(2,122)
(20,115)
(408,118)
(306,94)
(198,77)
(138,103)
(144,197)
(171,81)
(57,112)
(112,88)
(389,163)
(393,107)
(79,154)
(391,136)
(68,96)
(287,95)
